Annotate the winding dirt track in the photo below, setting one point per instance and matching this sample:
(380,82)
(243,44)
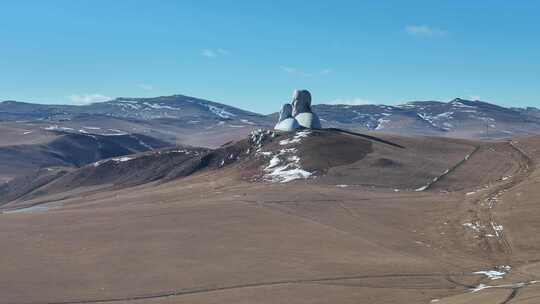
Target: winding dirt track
(180,292)
(484,214)
(487,203)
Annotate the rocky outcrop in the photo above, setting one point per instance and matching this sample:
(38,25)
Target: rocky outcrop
(286,121)
(299,114)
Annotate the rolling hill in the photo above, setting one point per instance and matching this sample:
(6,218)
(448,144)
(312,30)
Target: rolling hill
(315,216)
(57,149)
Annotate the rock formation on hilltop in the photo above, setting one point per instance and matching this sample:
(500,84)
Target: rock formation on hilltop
(299,114)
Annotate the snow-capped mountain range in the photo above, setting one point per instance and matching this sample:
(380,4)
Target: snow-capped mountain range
(459,117)
(456,118)
(176,106)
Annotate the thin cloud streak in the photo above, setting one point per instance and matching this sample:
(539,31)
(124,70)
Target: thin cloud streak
(211,53)
(355,101)
(298,72)
(147,87)
(83,99)
(424,31)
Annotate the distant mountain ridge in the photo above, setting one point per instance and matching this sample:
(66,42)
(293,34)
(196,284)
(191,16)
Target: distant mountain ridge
(456,118)
(177,119)
(175,106)
(459,118)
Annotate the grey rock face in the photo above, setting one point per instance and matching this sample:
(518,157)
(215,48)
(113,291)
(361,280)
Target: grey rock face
(308,120)
(286,112)
(286,122)
(301,102)
(299,114)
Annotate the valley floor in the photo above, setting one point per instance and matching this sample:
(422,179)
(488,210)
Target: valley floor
(471,237)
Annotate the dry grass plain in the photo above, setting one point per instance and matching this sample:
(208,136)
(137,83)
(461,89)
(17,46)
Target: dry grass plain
(212,238)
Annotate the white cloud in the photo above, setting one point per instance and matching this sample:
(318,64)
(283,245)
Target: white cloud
(424,31)
(351,101)
(295,71)
(210,53)
(147,87)
(222,51)
(88,98)
(288,69)
(325,71)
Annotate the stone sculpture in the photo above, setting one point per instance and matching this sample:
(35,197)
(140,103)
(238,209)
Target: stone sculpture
(299,114)
(286,121)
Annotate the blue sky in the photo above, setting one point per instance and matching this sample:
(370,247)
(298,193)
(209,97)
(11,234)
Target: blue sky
(252,54)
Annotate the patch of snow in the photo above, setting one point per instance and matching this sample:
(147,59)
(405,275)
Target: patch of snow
(115,134)
(497,229)
(342,186)
(285,174)
(187,152)
(480,287)
(446,115)
(285,167)
(56,127)
(458,104)
(218,111)
(247,121)
(293,158)
(130,104)
(505,286)
(273,162)
(495,274)
(159,106)
(116,160)
(296,139)
(406,105)
(423,188)
(288,150)
(27,132)
(426,118)
(434,180)
(474,226)
(381,122)
(122,159)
